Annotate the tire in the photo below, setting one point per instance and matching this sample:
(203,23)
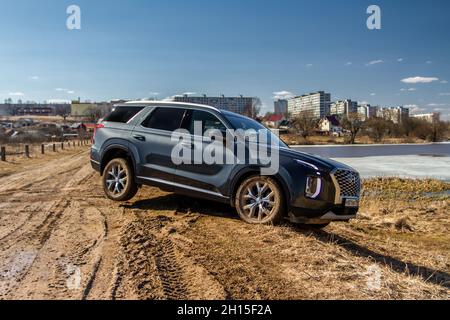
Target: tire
(259,200)
(118,180)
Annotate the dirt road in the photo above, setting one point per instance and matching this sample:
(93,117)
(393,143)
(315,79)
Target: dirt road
(60,238)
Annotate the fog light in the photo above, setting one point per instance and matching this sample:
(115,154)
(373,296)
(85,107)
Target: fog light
(313,187)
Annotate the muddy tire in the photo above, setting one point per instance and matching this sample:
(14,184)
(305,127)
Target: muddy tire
(118,180)
(259,200)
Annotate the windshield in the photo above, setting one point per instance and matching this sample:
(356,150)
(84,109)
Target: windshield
(244,123)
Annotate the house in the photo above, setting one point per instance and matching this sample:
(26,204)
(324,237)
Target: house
(330,125)
(273,121)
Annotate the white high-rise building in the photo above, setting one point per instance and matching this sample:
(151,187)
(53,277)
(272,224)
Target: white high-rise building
(343,107)
(317,103)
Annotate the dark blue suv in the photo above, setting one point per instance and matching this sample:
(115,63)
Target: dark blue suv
(135,145)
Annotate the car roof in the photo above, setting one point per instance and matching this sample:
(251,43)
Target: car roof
(169,104)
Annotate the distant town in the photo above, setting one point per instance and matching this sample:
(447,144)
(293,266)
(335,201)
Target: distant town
(303,115)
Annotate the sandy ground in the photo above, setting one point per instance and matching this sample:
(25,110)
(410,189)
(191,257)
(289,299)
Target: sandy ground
(60,238)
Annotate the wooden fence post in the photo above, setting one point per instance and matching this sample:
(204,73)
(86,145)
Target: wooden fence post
(42,149)
(27,151)
(3,153)
(54,147)
(62,145)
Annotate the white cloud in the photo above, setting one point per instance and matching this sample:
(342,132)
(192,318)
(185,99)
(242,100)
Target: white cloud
(374,62)
(283,95)
(309,65)
(429,62)
(68,91)
(349,63)
(400,59)
(373,94)
(34,78)
(17,94)
(444,81)
(408,89)
(420,80)
(436,104)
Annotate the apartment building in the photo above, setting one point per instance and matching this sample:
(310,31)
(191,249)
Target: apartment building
(316,103)
(366,111)
(343,107)
(281,107)
(429,117)
(394,114)
(242,105)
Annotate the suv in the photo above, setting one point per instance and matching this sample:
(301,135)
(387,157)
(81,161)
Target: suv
(133,146)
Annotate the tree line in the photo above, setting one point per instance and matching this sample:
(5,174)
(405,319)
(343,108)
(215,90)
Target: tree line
(305,124)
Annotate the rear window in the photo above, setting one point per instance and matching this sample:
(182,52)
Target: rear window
(123,114)
(168,119)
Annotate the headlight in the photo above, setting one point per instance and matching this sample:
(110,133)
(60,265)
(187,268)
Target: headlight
(313,187)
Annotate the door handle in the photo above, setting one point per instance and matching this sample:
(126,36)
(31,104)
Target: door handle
(139,137)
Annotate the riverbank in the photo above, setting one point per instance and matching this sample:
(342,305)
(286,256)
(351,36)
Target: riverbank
(294,139)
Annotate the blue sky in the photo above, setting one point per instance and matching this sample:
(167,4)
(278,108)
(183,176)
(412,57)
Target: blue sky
(134,49)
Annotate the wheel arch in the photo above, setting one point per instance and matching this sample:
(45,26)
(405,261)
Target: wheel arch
(249,172)
(116,151)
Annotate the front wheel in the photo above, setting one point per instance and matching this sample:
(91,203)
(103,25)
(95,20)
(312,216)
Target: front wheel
(118,180)
(259,200)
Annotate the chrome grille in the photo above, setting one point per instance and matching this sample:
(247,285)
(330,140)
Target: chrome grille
(349,183)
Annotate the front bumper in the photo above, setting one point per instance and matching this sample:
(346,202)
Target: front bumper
(322,219)
(338,200)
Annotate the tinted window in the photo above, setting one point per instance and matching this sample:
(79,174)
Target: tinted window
(244,123)
(123,114)
(168,119)
(208,120)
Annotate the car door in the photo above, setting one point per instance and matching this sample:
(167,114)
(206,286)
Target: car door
(206,177)
(153,140)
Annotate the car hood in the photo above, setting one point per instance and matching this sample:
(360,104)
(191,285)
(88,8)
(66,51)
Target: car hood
(320,162)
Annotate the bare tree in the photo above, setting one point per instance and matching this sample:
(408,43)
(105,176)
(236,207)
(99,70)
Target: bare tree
(305,123)
(438,131)
(377,128)
(94,114)
(353,124)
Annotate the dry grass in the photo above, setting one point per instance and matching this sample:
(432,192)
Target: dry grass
(295,139)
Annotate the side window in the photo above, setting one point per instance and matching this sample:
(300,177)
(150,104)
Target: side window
(168,119)
(123,114)
(208,120)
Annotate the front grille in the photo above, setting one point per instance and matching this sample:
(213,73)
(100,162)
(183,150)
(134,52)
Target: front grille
(349,183)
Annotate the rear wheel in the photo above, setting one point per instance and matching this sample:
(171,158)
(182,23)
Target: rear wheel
(259,200)
(118,180)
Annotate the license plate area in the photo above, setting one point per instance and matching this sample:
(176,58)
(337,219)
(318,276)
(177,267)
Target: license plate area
(351,203)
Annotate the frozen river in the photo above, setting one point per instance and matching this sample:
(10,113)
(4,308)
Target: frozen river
(410,160)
